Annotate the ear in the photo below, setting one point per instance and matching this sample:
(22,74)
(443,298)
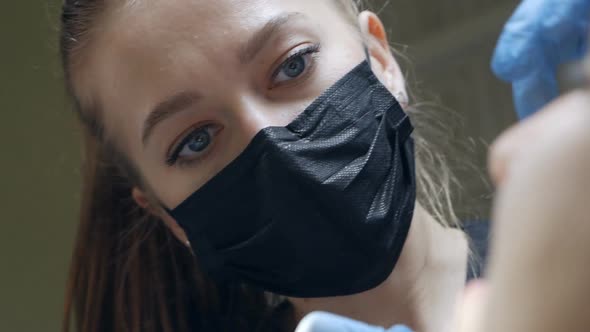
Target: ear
(142,200)
(383,62)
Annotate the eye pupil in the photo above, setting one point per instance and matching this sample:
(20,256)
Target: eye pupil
(199,141)
(295,67)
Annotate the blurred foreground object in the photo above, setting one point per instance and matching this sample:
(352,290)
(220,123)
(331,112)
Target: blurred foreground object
(539,37)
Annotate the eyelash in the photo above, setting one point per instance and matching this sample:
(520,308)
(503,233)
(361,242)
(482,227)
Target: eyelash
(174,157)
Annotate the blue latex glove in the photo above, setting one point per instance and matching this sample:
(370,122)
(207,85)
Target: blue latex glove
(540,35)
(326,322)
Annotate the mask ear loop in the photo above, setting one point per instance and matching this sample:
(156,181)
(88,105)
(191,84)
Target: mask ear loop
(189,247)
(367,54)
(187,243)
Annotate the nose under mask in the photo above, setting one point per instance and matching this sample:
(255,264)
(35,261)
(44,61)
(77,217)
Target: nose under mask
(320,207)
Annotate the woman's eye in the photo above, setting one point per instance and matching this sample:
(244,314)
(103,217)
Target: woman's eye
(293,68)
(194,146)
(296,65)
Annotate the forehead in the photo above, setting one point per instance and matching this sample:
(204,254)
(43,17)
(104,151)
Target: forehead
(208,16)
(155,29)
(148,29)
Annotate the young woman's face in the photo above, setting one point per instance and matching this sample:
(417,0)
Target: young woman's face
(183,86)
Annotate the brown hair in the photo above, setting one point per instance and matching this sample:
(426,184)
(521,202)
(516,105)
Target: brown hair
(129,273)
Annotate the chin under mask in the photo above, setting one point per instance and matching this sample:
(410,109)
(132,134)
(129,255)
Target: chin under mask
(321,207)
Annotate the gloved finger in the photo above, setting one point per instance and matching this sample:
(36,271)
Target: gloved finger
(564,30)
(541,31)
(327,322)
(534,91)
(518,41)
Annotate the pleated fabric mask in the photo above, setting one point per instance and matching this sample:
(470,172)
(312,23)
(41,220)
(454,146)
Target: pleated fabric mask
(320,207)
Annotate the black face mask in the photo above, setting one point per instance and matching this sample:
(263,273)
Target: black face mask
(321,207)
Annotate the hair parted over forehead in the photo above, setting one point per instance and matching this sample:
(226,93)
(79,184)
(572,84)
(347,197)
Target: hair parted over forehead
(81,19)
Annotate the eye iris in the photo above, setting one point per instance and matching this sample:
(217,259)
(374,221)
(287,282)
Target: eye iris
(295,67)
(199,141)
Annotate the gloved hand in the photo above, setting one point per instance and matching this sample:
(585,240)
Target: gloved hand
(467,318)
(326,322)
(541,35)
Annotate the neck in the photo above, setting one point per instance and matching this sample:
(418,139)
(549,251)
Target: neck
(421,290)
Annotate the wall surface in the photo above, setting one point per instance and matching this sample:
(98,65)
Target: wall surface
(449,42)
(38,170)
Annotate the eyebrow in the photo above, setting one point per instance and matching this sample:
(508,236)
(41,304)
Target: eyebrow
(246,54)
(253,46)
(166,109)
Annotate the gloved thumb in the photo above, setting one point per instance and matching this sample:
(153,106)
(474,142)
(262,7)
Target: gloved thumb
(534,91)
(326,322)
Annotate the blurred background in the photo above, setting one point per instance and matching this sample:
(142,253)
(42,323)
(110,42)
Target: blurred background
(448,42)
